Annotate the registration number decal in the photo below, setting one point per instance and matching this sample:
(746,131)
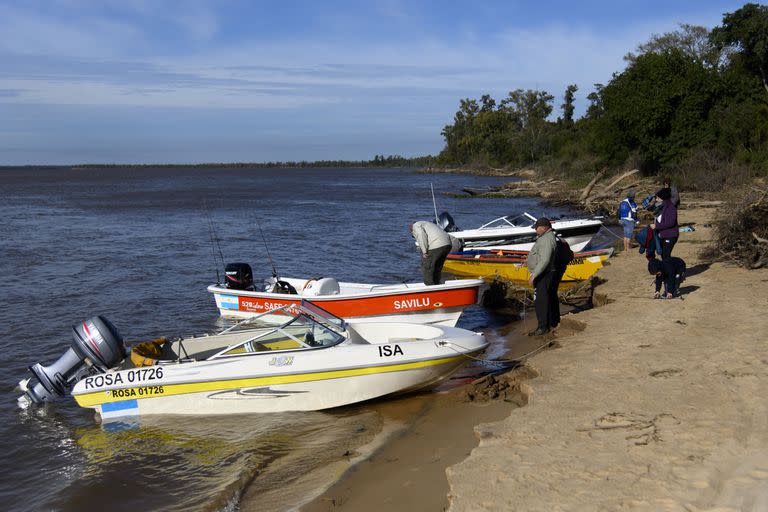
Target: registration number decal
(137,392)
(129,377)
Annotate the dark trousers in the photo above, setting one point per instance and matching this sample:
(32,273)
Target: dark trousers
(432,264)
(554,300)
(666,247)
(542,300)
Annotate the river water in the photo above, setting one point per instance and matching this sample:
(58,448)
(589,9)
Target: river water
(134,245)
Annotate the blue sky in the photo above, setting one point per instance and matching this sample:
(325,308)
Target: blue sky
(189,81)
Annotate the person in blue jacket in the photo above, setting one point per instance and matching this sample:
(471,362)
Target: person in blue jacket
(628,217)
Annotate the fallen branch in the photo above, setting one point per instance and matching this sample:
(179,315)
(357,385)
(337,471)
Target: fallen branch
(617,180)
(590,186)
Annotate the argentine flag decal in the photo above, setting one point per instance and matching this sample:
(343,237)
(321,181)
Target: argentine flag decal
(124,408)
(228,302)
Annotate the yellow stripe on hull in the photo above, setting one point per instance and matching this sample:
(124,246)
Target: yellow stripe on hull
(578,270)
(161,389)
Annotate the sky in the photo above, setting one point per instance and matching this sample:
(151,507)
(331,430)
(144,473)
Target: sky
(193,81)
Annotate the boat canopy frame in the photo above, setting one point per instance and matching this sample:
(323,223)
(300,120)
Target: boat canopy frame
(512,221)
(305,309)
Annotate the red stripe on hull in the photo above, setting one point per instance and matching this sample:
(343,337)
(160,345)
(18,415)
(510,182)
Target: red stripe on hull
(366,306)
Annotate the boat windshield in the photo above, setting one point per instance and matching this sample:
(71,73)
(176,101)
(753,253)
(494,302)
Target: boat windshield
(322,316)
(522,220)
(300,333)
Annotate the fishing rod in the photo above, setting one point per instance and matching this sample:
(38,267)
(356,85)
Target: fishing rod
(214,243)
(434,203)
(274,270)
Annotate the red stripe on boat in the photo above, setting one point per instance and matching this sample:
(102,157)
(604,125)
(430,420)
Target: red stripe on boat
(365,306)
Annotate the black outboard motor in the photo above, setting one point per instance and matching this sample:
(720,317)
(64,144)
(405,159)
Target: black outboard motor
(445,221)
(238,276)
(96,347)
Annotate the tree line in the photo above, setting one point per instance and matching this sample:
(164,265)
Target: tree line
(376,161)
(692,103)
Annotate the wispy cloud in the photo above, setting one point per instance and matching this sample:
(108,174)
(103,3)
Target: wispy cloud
(396,66)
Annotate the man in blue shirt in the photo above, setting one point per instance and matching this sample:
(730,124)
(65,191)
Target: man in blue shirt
(628,217)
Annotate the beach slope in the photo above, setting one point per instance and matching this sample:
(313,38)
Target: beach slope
(656,405)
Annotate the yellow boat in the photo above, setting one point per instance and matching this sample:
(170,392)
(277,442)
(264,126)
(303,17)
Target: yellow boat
(512,266)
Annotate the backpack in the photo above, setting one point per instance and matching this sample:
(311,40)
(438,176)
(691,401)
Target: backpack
(457,244)
(563,255)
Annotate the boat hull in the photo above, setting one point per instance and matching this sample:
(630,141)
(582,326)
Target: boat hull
(575,243)
(514,267)
(285,381)
(439,304)
(576,233)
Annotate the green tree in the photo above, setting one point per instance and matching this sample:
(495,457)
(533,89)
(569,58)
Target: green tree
(692,40)
(528,110)
(567,106)
(596,108)
(660,107)
(745,34)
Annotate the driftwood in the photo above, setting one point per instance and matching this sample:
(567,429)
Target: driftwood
(613,191)
(617,180)
(590,186)
(477,191)
(741,230)
(597,198)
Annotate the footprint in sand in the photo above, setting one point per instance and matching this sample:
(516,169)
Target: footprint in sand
(667,372)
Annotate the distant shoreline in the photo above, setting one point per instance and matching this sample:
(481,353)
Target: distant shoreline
(376,163)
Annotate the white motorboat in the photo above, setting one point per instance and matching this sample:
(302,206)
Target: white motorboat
(313,361)
(401,302)
(516,233)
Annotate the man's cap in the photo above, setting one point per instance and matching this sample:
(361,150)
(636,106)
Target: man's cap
(631,193)
(542,221)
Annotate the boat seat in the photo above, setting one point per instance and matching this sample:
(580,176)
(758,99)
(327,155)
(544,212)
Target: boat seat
(322,286)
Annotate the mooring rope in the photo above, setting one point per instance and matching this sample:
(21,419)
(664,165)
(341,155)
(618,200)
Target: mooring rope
(497,362)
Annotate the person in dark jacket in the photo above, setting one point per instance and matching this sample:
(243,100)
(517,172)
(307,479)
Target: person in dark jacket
(674,193)
(670,272)
(666,223)
(541,264)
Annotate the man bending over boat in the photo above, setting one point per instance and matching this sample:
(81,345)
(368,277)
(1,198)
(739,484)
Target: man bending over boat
(434,244)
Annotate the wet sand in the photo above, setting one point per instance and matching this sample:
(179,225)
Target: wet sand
(654,405)
(429,432)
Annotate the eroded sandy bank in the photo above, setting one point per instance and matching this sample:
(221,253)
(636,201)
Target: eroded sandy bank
(656,405)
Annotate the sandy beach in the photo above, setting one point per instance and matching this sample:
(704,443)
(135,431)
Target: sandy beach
(654,405)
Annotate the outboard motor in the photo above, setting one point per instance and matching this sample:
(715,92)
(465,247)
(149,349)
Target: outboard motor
(445,221)
(238,276)
(96,347)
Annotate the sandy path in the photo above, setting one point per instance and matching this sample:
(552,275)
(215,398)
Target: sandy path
(656,405)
